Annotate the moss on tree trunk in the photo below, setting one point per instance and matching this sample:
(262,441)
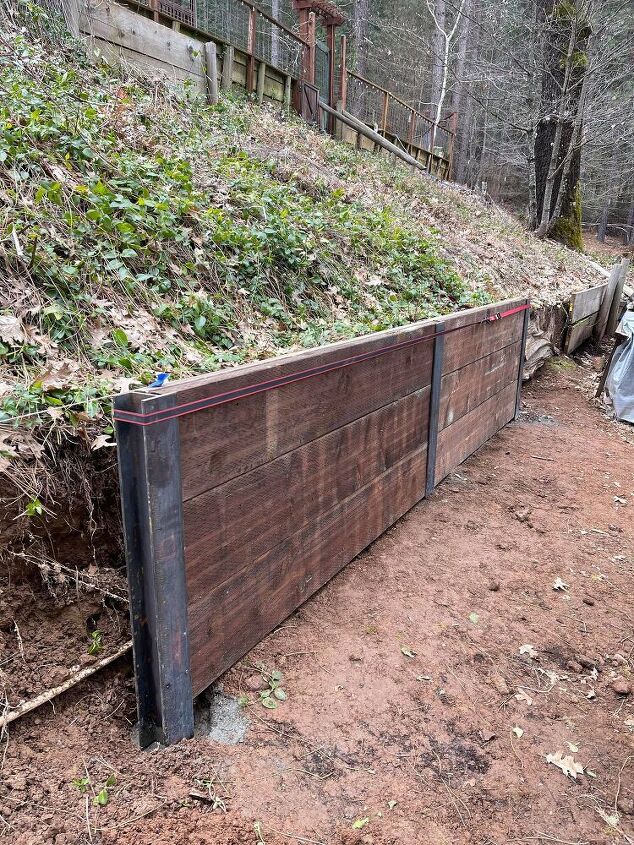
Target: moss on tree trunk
(558,20)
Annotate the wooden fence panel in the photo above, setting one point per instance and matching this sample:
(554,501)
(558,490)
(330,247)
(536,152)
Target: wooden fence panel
(120,33)
(481,374)
(279,473)
(584,310)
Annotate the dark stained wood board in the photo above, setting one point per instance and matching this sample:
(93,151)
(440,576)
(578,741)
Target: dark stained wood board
(230,619)
(464,389)
(228,440)
(231,525)
(466,435)
(282,488)
(477,338)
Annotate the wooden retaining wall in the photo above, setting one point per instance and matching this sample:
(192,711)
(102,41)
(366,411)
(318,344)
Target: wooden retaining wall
(245,491)
(125,35)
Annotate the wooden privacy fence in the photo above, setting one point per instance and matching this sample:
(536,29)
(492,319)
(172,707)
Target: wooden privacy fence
(207,45)
(245,491)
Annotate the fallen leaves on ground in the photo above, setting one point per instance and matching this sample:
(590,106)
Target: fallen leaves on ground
(566,763)
(520,695)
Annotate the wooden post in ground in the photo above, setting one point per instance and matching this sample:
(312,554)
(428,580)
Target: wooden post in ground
(332,97)
(452,141)
(434,409)
(386,106)
(288,91)
(613,317)
(606,302)
(227,67)
(261,81)
(338,124)
(253,15)
(520,374)
(151,501)
(343,83)
(211,72)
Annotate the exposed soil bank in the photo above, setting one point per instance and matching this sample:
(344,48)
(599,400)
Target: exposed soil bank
(420,746)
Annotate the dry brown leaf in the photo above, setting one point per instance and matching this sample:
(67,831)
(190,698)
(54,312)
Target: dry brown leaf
(58,375)
(520,695)
(11,330)
(566,763)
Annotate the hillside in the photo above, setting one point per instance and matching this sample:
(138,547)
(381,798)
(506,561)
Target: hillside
(145,232)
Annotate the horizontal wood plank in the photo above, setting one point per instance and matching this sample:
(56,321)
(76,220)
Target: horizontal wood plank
(580,332)
(228,440)
(228,621)
(229,526)
(466,388)
(586,302)
(123,27)
(464,437)
(152,68)
(477,338)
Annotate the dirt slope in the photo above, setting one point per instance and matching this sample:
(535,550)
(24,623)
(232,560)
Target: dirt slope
(413,746)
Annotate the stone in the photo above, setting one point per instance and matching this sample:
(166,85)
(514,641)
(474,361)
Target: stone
(500,684)
(621,687)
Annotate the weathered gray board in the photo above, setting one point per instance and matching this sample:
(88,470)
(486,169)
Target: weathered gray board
(120,34)
(584,311)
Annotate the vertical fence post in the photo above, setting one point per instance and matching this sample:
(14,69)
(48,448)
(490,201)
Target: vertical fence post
(253,16)
(312,47)
(386,106)
(411,129)
(332,57)
(613,317)
(211,72)
(227,67)
(432,141)
(261,81)
(520,374)
(434,408)
(343,82)
(151,499)
(288,88)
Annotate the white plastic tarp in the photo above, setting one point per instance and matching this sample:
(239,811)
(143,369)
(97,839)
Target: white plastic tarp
(620,381)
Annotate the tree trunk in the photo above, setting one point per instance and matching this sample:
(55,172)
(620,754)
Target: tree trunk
(438,54)
(360,19)
(461,59)
(628,237)
(558,204)
(465,134)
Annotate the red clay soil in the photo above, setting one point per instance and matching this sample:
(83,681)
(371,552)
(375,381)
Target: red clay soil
(416,709)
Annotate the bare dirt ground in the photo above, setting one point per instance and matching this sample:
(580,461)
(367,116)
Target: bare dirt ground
(426,684)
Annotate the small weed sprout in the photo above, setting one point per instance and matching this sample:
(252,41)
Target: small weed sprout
(96,643)
(34,508)
(103,796)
